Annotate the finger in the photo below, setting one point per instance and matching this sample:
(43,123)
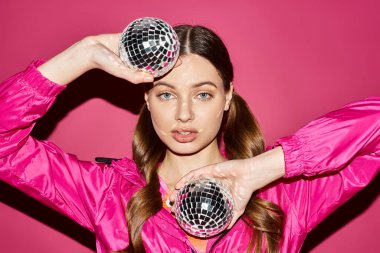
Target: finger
(204,171)
(112,64)
(180,184)
(178,63)
(235,217)
(173,195)
(232,223)
(133,76)
(173,207)
(201,172)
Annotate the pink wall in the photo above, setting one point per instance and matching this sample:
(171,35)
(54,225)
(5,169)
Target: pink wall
(294,60)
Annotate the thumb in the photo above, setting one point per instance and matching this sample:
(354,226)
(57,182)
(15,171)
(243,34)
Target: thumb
(109,62)
(201,172)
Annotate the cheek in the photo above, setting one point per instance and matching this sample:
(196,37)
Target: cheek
(210,117)
(211,112)
(162,120)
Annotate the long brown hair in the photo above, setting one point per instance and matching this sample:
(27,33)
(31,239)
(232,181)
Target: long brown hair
(240,134)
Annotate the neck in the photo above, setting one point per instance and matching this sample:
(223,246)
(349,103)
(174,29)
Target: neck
(175,166)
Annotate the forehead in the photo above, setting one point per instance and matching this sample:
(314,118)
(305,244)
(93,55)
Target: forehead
(192,69)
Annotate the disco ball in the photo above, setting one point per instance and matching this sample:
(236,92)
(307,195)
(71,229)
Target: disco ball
(204,207)
(149,44)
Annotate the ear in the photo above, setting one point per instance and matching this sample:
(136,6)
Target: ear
(146,100)
(229,97)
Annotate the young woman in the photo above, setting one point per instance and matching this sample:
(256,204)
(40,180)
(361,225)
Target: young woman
(193,123)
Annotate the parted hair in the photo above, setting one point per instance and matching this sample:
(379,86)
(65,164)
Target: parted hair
(242,138)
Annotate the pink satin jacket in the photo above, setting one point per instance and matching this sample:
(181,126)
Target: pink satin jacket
(327,162)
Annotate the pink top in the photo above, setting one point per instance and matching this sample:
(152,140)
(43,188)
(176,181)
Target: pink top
(339,152)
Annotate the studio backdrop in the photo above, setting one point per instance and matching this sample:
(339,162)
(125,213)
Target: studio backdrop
(293,60)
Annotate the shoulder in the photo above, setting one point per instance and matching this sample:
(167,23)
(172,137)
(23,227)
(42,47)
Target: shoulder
(129,172)
(127,181)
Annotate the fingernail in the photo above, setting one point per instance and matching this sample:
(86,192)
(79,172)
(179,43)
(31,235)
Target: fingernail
(148,79)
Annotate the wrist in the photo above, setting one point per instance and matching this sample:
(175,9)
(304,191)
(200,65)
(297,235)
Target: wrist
(69,64)
(87,49)
(267,167)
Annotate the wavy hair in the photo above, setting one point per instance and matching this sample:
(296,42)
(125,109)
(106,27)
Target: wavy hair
(239,132)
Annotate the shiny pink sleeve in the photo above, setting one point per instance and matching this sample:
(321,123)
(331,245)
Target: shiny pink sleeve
(329,160)
(39,168)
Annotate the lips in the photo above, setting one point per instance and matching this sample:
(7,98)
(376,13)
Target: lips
(184,135)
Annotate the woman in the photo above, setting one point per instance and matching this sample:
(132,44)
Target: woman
(192,119)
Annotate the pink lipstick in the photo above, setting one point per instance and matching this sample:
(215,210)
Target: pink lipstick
(184,135)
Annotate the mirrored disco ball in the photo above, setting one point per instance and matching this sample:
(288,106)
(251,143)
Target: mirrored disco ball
(204,207)
(149,44)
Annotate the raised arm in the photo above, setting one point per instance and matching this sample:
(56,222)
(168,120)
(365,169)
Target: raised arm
(329,160)
(100,52)
(39,168)
(322,165)
(332,141)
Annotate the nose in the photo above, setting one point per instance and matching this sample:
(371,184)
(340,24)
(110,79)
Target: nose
(184,111)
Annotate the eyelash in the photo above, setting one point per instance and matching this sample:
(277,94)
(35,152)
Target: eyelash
(209,96)
(162,94)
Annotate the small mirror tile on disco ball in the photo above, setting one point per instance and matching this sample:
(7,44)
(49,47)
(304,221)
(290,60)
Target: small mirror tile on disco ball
(149,44)
(204,207)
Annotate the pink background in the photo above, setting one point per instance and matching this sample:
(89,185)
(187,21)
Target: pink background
(294,60)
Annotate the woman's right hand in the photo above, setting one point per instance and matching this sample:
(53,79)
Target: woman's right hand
(100,51)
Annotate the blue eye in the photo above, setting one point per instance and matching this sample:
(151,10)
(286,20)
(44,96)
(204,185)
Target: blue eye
(204,96)
(165,96)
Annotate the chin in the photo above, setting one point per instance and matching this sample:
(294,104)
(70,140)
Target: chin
(184,151)
(187,149)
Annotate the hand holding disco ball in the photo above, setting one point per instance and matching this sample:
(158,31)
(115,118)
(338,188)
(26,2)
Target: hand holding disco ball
(149,44)
(204,207)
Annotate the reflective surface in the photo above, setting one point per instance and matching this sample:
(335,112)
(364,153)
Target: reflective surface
(149,44)
(204,207)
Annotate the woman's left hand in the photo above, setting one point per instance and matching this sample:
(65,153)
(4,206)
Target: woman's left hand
(243,176)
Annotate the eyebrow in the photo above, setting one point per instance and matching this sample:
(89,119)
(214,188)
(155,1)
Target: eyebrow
(195,85)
